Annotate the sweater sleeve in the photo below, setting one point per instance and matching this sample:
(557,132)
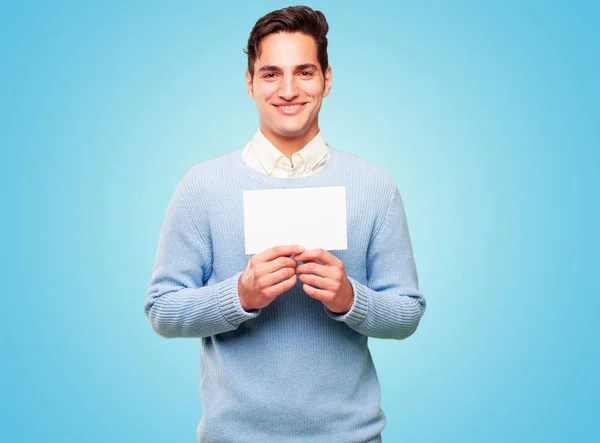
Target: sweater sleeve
(178,302)
(390,304)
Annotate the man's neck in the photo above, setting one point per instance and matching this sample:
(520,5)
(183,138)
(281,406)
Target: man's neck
(288,146)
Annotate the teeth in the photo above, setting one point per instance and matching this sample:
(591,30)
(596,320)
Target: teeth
(290,107)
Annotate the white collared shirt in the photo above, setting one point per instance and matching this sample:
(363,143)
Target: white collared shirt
(261,155)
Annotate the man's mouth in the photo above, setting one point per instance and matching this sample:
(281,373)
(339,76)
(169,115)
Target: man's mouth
(290,109)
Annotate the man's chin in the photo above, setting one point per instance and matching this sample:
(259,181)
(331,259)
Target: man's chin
(291,132)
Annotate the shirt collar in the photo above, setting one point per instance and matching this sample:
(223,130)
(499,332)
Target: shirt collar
(268,155)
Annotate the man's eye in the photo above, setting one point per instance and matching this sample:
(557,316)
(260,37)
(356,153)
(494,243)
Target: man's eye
(306,73)
(269,75)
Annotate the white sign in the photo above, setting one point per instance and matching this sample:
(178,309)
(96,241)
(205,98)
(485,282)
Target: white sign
(310,217)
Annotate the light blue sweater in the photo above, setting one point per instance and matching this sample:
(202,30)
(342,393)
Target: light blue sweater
(292,371)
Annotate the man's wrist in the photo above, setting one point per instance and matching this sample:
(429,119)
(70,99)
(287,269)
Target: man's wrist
(241,295)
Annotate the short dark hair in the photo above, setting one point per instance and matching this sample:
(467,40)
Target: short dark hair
(291,19)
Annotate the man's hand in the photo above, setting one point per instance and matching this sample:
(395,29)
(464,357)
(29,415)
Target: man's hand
(335,289)
(267,275)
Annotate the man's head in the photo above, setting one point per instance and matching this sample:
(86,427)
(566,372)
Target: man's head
(288,72)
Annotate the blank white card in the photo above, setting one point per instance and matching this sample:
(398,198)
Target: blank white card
(311,217)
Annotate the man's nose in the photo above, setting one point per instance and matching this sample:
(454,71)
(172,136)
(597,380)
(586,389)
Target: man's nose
(288,88)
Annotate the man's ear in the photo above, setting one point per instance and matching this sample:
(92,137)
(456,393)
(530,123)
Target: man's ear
(249,84)
(327,81)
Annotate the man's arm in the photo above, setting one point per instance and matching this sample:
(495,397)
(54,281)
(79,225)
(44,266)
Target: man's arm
(390,305)
(178,303)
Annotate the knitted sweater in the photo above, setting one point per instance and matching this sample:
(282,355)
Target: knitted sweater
(292,371)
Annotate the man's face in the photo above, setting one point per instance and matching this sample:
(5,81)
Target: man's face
(288,86)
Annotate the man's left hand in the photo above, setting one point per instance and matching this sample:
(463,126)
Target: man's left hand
(333,287)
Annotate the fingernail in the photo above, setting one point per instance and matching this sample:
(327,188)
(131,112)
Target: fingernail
(300,248)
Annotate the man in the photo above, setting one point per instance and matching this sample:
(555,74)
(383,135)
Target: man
(284,354)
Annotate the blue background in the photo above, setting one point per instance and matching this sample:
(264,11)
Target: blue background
(486,114)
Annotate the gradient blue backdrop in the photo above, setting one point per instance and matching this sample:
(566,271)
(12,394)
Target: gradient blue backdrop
(486,114)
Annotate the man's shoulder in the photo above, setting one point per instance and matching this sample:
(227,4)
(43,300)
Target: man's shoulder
(208,171)
(366,170)
(213,165)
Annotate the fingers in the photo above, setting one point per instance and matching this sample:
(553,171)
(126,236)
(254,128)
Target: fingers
(319,270)
(277,251)
(277,264)
(281,287)
(317,261)
(319,254)
(267,280)
(319,294)
(267,275)
(319,282)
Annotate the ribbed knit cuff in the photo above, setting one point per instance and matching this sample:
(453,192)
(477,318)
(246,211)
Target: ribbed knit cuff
(359,308)
(229,301)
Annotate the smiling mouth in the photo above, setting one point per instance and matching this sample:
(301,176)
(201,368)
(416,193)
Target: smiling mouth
(290,109)
(297,105)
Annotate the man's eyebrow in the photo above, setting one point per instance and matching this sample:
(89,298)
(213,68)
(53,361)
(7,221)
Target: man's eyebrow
(269,68)
(273,68)
(306,66)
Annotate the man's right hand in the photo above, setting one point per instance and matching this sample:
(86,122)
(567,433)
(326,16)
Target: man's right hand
(268,274)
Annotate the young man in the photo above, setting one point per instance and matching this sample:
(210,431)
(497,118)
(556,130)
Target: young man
(284,354)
